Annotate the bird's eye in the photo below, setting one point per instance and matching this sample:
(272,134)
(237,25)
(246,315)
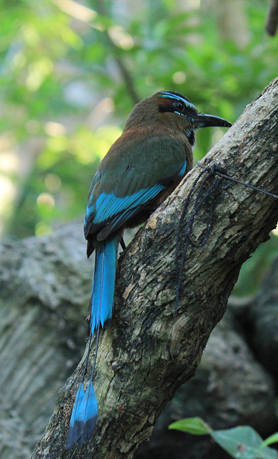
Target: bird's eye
(178,105)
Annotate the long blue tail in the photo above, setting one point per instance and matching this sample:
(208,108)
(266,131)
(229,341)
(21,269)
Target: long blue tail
(85,409)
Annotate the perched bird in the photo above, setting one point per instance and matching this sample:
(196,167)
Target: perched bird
(139,171)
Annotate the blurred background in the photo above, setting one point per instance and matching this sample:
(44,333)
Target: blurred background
(71,72)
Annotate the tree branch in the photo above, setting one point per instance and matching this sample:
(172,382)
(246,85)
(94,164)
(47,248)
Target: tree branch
(272,18)
(147,353)
(126,75)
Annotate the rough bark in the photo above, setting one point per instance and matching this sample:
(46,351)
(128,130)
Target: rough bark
(44,292)
(230,388)
(147,353)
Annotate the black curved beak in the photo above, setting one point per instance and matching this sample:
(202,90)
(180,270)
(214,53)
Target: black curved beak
(204,120)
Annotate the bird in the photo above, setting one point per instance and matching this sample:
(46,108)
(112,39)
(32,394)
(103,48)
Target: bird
(142,167)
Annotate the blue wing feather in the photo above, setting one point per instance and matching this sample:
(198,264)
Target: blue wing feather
(109,207)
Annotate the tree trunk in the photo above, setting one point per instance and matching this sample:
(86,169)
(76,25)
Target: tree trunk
(148,353)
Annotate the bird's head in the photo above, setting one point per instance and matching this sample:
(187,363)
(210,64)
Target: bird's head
(169,102)
(169,107)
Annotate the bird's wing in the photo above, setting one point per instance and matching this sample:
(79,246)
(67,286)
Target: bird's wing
(132,174)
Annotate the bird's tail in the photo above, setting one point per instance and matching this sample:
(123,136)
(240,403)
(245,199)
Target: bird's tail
(85,409)
(104,284)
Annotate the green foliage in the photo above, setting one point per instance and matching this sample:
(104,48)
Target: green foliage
(193,426)
(241,442)
(270,440)
(70,73)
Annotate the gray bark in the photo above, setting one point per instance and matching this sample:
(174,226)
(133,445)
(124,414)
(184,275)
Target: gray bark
(147,353)
(44,291)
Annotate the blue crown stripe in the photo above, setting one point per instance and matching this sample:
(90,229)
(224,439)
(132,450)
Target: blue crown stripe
(170,95)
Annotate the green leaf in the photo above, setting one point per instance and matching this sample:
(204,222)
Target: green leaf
(194,426)
(268,441)
(243,443)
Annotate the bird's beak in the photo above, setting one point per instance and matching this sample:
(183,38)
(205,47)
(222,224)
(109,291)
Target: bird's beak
(204,120)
